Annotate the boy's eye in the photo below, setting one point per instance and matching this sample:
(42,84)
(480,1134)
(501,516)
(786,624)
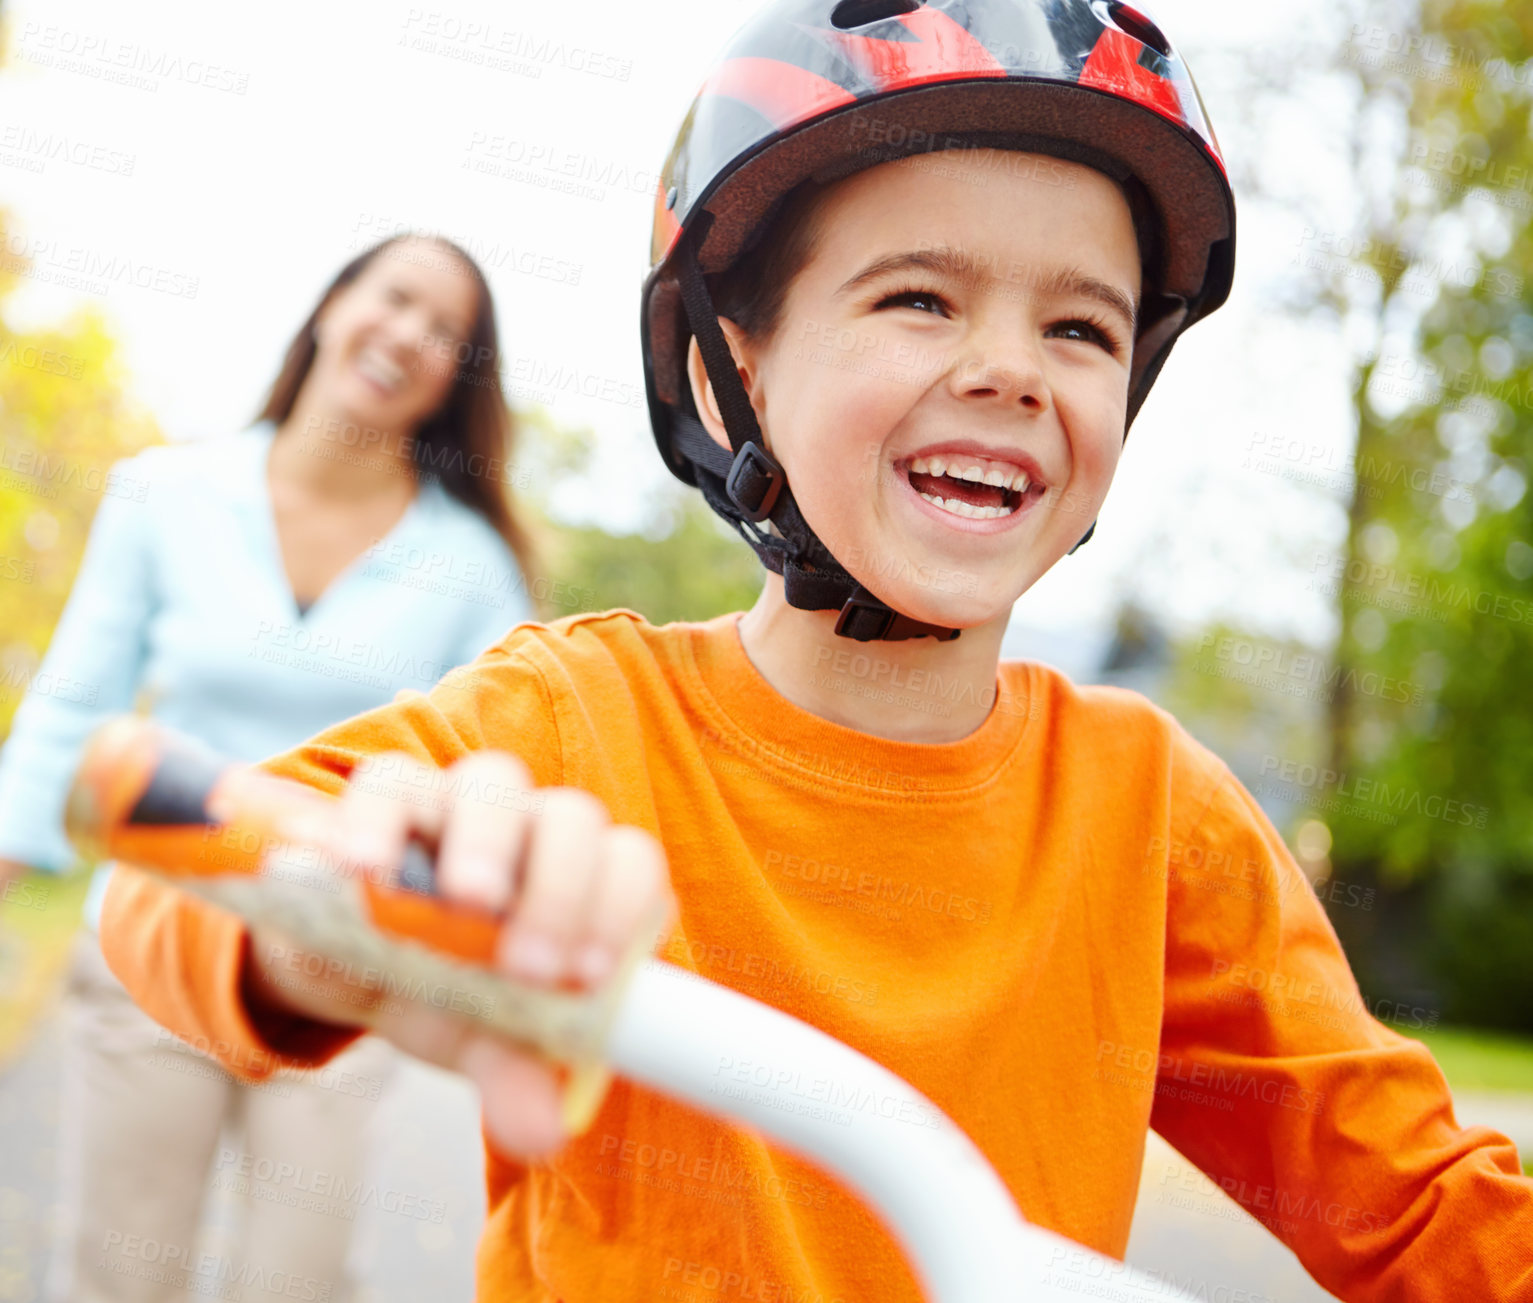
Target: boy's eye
(394,295)
(1084,332)
(920,300)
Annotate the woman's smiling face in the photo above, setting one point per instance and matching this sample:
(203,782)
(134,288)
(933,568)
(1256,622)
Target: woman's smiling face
(946,385)
(389,342)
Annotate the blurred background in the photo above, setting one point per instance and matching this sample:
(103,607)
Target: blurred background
(1318,553)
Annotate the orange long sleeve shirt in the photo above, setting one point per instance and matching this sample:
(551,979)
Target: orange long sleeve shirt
(1069,927)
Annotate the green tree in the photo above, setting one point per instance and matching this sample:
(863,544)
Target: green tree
(1435,588)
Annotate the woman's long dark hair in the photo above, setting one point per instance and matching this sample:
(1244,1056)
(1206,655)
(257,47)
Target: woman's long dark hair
(472,428)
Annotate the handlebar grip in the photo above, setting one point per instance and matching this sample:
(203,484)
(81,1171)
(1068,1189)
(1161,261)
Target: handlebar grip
(157,800)
(412,913)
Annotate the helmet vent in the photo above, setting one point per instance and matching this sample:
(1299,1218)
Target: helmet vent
(1129,20)
(858,13)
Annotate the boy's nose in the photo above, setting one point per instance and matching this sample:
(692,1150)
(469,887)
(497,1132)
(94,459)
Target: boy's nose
(1002,370)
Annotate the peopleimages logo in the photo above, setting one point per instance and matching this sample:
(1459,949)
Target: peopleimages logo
(1419,273)
(839,878)
(93,270)
(47,360)
(723,1282)
(315,1190)
(434,31)
(1400,800)
(669,1167)
(1293,995)
(45,147)
(124,63)
(178,1267)
(1291,671)
(1420,592)
(790,1083)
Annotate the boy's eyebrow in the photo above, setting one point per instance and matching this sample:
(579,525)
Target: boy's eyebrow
(1075,281)
(960,265)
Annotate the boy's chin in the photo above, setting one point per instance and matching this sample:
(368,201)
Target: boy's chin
(969,607)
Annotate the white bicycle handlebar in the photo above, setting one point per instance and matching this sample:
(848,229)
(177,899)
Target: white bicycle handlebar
(734,1057)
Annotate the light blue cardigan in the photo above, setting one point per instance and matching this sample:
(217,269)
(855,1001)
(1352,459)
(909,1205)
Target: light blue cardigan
(182,608)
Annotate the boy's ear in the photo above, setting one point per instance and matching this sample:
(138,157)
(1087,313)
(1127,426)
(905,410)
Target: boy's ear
(702,388)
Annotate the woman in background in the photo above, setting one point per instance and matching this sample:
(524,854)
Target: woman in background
(355,542)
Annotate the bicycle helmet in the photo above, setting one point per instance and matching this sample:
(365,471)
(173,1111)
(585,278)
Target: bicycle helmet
(814,90)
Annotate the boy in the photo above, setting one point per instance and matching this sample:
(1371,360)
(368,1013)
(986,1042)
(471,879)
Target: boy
(917,266)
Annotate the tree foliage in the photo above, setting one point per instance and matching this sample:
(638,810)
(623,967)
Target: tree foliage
(1438,588)
(65,417)
(1436,585)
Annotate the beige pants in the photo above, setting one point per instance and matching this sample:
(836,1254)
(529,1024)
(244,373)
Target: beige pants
(143,1118)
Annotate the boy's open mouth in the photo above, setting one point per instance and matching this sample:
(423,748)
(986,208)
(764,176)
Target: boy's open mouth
(975,487)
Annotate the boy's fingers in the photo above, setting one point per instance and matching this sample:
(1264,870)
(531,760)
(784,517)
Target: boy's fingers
(630,893)
(487,831)
(520,1095)
(520,1092)
(374,817)
(563,858)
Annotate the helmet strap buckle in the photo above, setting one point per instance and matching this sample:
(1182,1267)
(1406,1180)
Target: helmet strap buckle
(755,481)
(865,618)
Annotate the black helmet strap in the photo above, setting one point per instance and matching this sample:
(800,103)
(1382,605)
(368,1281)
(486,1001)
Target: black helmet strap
(750,486)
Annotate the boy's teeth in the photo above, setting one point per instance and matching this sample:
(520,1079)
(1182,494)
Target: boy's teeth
(961,508)
(995,477)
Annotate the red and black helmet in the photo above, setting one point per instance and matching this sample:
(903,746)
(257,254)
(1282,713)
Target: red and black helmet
(812,90)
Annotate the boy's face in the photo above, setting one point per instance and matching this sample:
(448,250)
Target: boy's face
(960,310)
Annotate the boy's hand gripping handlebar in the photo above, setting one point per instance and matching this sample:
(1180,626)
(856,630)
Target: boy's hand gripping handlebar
(159,801)
(154,800)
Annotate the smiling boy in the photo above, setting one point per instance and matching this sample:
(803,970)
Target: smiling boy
(996,217)
(984,455)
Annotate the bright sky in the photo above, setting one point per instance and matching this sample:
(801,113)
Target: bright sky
(236,157)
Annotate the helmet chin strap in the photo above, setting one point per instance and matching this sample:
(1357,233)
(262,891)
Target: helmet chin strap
(750,486)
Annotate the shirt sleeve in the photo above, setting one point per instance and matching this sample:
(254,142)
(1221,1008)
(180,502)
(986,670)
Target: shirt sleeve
(1333,1130)
(186,962)
(91,672)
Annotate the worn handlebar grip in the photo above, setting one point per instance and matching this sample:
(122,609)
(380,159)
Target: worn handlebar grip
(152,798)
